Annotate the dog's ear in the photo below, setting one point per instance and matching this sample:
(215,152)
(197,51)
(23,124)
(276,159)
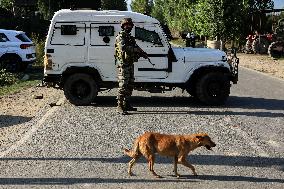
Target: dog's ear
(200,138)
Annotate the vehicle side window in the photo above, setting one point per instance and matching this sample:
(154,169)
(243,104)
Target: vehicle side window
(68,34)
(3,38)
(68,30)
(103,34)
(22,37)
(147,36)
(106,31)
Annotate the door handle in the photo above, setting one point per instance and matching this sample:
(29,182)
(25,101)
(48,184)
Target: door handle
(50,50)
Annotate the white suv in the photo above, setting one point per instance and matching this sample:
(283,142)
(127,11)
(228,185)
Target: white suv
(79,58)
(16,50)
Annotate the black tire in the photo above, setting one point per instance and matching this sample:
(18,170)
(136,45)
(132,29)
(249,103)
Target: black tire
(260,46)
(213,88)
(80,89)
(191,91)
(10,63)
(272,50)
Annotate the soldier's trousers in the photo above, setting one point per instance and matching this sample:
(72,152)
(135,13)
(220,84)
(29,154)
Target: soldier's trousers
(126,84)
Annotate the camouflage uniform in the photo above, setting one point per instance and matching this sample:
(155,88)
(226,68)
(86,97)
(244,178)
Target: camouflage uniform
(126,53)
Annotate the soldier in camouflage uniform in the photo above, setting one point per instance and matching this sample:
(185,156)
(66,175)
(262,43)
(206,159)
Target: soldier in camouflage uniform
(126,53)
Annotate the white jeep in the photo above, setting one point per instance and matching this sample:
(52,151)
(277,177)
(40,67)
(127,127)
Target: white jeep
(17,51)
(79,58)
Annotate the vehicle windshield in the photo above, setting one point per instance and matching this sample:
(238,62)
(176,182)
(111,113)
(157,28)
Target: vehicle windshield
(23,37)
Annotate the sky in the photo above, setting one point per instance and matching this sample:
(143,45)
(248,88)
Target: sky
(278,4)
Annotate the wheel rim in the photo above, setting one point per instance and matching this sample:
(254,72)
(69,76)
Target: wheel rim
(80,89)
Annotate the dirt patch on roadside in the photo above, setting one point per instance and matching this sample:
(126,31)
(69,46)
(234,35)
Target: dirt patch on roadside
(20,108)
(28,102)
(263,63)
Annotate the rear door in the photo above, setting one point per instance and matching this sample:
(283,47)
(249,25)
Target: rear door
(68,44)
(101,49)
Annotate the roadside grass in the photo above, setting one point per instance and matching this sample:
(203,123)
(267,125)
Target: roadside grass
(17,87)
(35,77)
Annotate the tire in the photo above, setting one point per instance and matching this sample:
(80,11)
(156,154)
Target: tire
(10,63)
(191,91)
(275,53)
(260,46)
(213,88)
(80,89)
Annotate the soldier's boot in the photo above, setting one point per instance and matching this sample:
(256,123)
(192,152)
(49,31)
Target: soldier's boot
(120,108)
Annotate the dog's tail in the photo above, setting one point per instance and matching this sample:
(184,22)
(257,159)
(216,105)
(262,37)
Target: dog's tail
(135,151)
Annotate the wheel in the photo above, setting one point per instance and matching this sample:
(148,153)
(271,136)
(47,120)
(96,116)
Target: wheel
(23,67)
(80,89)
(191,91)
(213,88)
(10,63)
(275,49)
(260,46)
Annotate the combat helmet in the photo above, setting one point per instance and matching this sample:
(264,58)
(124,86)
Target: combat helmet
(126,21)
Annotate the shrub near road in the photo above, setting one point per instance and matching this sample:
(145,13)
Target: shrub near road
(7,78)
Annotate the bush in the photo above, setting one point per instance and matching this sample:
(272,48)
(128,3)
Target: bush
(39,47)
(7,78)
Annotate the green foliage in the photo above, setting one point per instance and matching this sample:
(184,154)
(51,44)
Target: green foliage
(142,6)
(158,11)
(39,47)
(7,4)
(7,78)
(114,5)
(224,19)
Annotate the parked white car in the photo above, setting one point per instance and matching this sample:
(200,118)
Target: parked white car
(79,58)
(16,50)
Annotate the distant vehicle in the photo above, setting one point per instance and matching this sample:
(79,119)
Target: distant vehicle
(17,51)
(79,58)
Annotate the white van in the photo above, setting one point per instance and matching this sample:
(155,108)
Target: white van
(79,58)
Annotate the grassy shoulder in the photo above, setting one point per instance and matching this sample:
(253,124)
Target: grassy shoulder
(17,87)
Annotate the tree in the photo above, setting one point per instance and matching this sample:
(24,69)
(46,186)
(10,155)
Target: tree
(7,4)
(114,5)
(158,10)
(142,6)
(48,7)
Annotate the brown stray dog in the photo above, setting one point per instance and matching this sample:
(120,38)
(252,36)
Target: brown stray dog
(176,146)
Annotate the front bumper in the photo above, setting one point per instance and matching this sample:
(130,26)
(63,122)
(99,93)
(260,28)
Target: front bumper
(51,78)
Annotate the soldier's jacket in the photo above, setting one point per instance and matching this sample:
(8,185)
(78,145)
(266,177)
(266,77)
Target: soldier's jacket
(126,49)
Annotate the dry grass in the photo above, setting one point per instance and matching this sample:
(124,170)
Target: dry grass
(263,63)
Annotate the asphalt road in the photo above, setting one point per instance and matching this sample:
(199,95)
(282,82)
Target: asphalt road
(80,147)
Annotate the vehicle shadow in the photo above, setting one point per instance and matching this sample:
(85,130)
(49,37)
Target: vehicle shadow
(9,120)
(194,159)
(220,160)
(245,103)
(183,179)
(158,101)
(71,181)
